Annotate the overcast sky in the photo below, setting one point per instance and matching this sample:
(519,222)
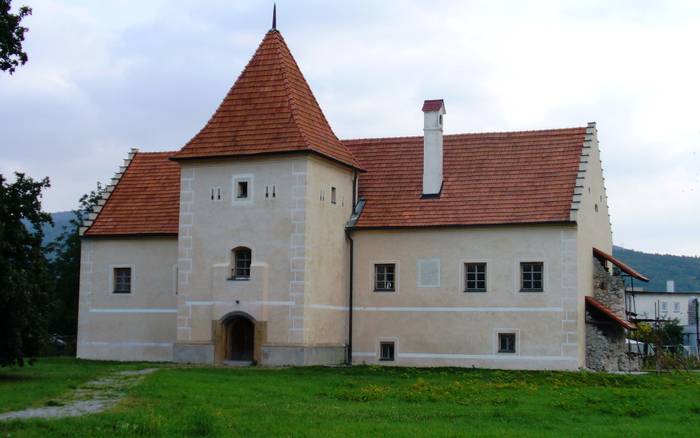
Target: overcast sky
(105,76)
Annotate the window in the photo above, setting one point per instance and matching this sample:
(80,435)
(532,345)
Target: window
(332,195)
(531,277)
(428,272)
(241,263)
(664,306)
(475,277)
(386,351)
(242,190)
(122,280)
(506,342)
(677,307)
(384,278)
(215,193)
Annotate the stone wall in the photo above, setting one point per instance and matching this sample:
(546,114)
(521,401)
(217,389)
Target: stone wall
(605,340)
(609,289)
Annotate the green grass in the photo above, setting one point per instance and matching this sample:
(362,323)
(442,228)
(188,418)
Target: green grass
(38,385)
(201,401)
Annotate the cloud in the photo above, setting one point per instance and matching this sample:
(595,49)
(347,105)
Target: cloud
(107,76)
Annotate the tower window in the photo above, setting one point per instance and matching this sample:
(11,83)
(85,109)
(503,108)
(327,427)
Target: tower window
(242,258)
(242,190)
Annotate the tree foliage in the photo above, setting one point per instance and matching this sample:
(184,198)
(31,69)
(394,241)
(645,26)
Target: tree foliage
(24,274)
(65,266)
(12,54)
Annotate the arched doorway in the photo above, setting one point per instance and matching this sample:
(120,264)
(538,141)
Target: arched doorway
(240,335)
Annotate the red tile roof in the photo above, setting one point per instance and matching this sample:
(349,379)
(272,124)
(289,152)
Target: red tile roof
(623,267)
(145,201)
(590,301)
(270,109)
(489,178)
(433,105)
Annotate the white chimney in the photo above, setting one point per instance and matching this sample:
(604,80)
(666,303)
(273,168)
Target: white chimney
(670,286)
(433,110)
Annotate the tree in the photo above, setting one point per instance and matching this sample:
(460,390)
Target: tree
(24,275)
(65,266)
(11,37)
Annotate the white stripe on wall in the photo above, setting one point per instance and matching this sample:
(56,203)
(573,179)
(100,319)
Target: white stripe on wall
(466,356)
(459,309)
(147,310)
(127,344)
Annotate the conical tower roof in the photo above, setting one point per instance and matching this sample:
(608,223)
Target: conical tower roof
(269,109)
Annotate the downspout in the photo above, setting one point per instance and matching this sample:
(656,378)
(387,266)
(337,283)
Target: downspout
(348,230)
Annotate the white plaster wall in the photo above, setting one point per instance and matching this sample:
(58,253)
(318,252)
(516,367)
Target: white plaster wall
(446,326)
(327,253)
(593,226)
(135,326)
(297,241)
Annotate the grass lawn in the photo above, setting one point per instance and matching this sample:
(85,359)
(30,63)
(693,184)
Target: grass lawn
(202,401)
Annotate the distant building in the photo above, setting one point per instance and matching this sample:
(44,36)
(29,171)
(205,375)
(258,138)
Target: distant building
(650,306)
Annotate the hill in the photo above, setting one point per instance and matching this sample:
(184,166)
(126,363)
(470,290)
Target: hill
(684,270)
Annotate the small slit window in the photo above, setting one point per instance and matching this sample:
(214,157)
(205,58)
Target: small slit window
(384,277)
(242,258)
(531,277)
(386,351)
(122,280)
(506,343)
(333,200)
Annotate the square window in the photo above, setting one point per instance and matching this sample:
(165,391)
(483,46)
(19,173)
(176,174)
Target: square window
(122,280)
(506,342)
(332,195)
(386,351)
(242,190)
(384,277)
(531,274)
(475,277)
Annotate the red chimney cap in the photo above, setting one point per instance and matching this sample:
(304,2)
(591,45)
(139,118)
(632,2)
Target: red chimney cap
(433,105)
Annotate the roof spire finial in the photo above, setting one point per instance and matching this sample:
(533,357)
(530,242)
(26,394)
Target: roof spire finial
(274,16)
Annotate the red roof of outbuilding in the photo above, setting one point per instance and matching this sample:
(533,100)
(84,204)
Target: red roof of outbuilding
(623,267)
(610,314)
(270,109)
(145,201)
(489,178)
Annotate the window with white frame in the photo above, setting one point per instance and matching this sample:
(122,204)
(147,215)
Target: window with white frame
(242,258)
(475,277)
(664,306)
(506,342)
(428,272)
(122,280)
(531,277)
(387,350)
(242,190)
(384,277)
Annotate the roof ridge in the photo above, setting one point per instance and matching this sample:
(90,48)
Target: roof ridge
(465,134)
(290,100)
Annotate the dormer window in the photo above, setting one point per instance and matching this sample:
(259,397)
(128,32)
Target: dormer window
(242,258)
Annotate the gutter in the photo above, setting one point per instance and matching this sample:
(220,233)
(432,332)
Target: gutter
(348,230)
